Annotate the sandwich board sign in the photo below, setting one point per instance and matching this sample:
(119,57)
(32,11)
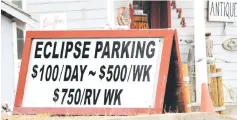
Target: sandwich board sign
(94,72)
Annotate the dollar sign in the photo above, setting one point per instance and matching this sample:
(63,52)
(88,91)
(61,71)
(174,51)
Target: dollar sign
(56,96)
(101,76)
(34,74)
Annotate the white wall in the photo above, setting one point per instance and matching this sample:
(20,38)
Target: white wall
(218,36)
(7,69)
(81,14)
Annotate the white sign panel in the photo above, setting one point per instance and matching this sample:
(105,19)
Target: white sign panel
(113,72)
(222,10)
(53,21)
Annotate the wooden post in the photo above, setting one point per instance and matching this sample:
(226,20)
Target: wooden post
(213,86)
(220,91)
(191,68)
(209,48)
(186,85)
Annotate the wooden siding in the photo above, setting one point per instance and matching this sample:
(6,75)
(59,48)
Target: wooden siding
(227,60)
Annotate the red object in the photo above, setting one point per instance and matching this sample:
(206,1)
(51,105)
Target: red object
(179,10)
(170,37)
(173,4)
(183,23)
(131,11)
(206,103)
(161,14)
(155,17)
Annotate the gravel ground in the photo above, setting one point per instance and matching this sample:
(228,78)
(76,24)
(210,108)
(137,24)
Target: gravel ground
(181,116)
(47,117)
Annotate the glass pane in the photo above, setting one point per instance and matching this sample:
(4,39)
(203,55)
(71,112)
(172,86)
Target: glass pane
(18,3)
(20,42)
(20,45)
(20,33)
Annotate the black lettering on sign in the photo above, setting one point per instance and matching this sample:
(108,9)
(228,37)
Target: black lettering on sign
(115,49)
(42,73)
(76,96)
(226,9)
(106,50)
(56,95)
(91,96)
(98,48)
(113,72)
(50,49)
(152,50)
(45,48)
(47,72)
(87,97)
(75,74)
(67,74)
(133,47)
(55,73)
(62,50)
(68,48)
(86,48)
(112,96)
(37,49)
(71,73)
(78,50)
(95,96)
(55,55)
(70,96)
(139,70)
(221,7)
(140,49)
(125,49)
(34,69)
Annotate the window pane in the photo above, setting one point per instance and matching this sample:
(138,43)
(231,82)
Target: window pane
(20,45)
(20,33)
(20,42)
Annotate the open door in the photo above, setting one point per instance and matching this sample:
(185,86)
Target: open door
(158,13)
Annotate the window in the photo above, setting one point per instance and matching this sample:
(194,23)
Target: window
(18,3)
(20,42)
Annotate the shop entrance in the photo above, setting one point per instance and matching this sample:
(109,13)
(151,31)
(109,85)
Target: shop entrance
(158,13)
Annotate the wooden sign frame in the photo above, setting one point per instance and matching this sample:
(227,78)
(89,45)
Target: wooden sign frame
(170,37)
